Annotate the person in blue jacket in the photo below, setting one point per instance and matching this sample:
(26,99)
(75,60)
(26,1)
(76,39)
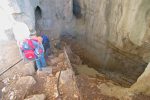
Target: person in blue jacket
(39,52)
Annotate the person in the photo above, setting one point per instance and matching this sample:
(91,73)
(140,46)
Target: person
(39,52)
(46,44)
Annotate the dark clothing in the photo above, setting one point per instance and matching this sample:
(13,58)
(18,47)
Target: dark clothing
(45,42)
(46,45)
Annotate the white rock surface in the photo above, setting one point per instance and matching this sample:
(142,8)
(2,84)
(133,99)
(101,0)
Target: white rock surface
(12,12)
(18,90)
(142,85)
(26,80)
(28,69)
(36,97)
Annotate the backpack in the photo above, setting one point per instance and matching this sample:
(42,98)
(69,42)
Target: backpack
(39,51)
(28,49)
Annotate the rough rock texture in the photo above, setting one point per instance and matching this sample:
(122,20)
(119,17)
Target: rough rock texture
(54,13)
(9,55)
(118,22)
(36,97)
(13,11)
(142,84)
(55,17)
(21,69)
(28,69)
(115,34)
(17,11)
(23,11)
(17,90)
(67,81)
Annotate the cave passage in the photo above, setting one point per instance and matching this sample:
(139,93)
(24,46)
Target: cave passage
(38,16)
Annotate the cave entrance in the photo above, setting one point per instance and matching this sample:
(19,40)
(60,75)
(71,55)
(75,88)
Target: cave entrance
(76,9)
(38,16)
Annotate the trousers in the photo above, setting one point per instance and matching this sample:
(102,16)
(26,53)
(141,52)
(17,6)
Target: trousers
(40,62)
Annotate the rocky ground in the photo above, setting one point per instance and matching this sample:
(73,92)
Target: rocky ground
(66,77)
(78,52)
(87,80)
(43,85)
(95,84)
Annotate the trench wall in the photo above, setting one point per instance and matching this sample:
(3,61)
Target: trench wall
(115,34)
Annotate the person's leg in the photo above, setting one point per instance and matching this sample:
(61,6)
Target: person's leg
(42,59)
(47,53)
(38,64)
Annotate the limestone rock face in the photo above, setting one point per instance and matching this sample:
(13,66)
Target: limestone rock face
(116,21)
(12,12)
(24,12)
(55,17)
(115,34)
(16,11)
(142,84)
(7,55)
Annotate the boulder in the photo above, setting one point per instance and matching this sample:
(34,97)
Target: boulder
(26,80)
(36,97)
(142,85)
(55,61)
(17,90)
(61,56)
(45,71)
(28,69)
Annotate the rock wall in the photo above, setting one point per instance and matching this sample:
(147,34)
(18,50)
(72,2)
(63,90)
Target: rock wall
(142,82)
(55,17)
(18,22)
(115,34)
(11,13)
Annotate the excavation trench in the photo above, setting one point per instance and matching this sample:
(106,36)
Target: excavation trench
(82,65)
(90,80)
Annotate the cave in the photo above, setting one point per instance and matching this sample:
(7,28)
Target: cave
(76,9)
(108,44)
(38,13)
(38,16)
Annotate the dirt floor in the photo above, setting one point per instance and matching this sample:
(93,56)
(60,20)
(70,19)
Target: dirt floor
(71,78)
(88,89)
(87,80)
(54,85)
(45,85)
(78,50)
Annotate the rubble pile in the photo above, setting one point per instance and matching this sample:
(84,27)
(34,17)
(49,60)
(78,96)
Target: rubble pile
(43,85)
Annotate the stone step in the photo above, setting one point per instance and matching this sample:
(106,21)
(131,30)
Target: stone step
(47,70)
